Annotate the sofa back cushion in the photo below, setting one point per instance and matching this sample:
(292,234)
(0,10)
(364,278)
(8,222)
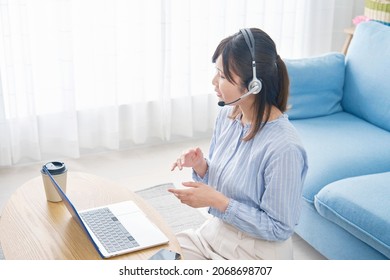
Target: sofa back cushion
(367,78)
(316,85)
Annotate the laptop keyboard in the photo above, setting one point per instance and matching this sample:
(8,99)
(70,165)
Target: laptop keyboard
(109,230)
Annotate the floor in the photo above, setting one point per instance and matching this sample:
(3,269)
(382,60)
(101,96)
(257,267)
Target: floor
(135,169)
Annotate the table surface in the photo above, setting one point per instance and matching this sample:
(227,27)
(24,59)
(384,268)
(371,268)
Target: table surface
(33,228)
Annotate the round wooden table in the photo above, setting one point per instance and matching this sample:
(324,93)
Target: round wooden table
(33,228)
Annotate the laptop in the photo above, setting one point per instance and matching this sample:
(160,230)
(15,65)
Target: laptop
(114,229)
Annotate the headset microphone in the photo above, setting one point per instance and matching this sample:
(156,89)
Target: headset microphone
(252,91)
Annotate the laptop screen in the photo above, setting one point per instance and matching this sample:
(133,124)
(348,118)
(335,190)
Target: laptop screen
(70,206)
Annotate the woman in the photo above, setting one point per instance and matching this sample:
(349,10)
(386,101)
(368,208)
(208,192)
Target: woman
(252,180)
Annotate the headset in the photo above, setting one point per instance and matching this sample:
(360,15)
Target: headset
(255,85)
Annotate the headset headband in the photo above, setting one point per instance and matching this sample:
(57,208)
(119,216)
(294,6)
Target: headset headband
(250,41)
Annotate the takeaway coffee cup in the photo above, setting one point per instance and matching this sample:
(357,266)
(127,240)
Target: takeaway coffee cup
(59,172)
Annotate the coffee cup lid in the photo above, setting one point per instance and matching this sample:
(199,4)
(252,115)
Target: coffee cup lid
(55,167)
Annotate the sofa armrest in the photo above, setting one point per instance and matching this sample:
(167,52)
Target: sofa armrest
(367,87)
(316,85)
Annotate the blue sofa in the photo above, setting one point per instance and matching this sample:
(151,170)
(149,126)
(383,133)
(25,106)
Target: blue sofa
(340,105)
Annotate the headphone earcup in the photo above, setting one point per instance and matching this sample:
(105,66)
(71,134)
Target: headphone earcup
(253,84)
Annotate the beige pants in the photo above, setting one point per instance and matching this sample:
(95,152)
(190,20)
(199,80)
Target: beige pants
(216,239)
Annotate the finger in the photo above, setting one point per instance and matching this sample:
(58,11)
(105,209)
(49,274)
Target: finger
(191,184)
(179,164)
(174,165)
(176,192)
(177,195)
(185,159)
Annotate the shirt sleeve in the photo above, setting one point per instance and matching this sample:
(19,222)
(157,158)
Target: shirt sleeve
(279,206)
(205,178)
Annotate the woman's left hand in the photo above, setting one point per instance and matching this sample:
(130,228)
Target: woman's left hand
(201,195)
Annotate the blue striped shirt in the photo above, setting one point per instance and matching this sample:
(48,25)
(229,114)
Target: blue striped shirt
(262,177)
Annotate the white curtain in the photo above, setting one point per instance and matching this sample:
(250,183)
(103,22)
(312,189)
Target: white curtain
(84,76)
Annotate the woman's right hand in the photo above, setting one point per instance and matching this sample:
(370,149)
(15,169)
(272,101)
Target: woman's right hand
(192,158)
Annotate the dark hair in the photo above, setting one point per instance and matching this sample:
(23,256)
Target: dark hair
(270,70)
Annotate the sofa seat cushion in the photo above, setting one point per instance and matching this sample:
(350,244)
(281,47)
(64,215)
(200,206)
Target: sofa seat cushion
(360,205)
(316,85)
(341,146)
